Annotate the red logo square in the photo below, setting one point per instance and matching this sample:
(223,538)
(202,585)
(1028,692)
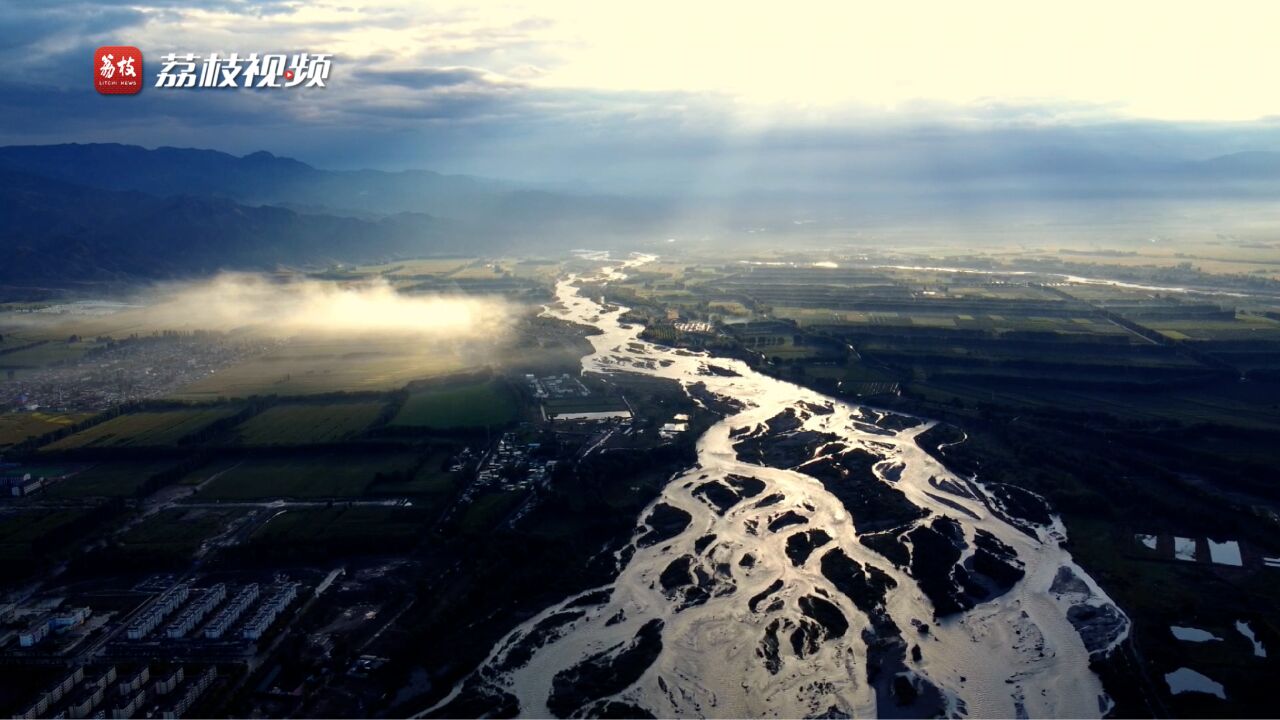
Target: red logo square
(117,70)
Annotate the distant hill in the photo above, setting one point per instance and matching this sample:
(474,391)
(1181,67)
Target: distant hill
(56,232)
(99,212)
(261,178)
(1243,165)
(78,212)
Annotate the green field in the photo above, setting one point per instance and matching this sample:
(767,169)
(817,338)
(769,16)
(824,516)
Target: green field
(483,515)
(472,405)
(431,479)
(1227,403)
(599,402)
(421,266)
(317,366)
(320,476)
(325,532)
(22,528)
(144,429)
(26,536)
(36,540)
(172,536)
(306,424)
(48,352)
(17,427)
(781,345)
(909,317)
(1244,327)
(113,479)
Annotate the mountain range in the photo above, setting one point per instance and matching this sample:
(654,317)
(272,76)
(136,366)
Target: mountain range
(121,213)
(106,212)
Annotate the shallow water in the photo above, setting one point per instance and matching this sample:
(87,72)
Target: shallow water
(1190,634)
(1015,655)
(1185,680)
(1247,631)
(1184,548)
(1225,553)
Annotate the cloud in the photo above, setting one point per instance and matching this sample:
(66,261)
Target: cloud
(640,100)
(435,77)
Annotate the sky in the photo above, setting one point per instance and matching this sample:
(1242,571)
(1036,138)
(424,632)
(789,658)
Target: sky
(654,95)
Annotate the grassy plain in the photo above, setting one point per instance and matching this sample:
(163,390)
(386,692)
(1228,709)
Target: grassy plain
(26,536)
(17,427)
(481,270)
(311,476)
(353,528)
(483,515)
(144,429)
(36,347)
(171,537)
(479,404)
(430,483)
(108,479)
(420,266)
(317,366)
(308,423)
(1243,327)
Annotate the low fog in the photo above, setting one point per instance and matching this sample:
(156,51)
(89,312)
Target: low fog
(256,303)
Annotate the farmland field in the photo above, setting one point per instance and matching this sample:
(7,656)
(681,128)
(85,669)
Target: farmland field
(33,350)
(430,486)
(483,515)
(24,536)
(144,429)
(1244,327)
(16,427)
(426,266)
(301,477)
(172,536)
(354,528)
(591,404)
(114,479)
(776,344)
(480,270)
(304,424)
(536,270)
(473,405)
(321,366)
(1228,403)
